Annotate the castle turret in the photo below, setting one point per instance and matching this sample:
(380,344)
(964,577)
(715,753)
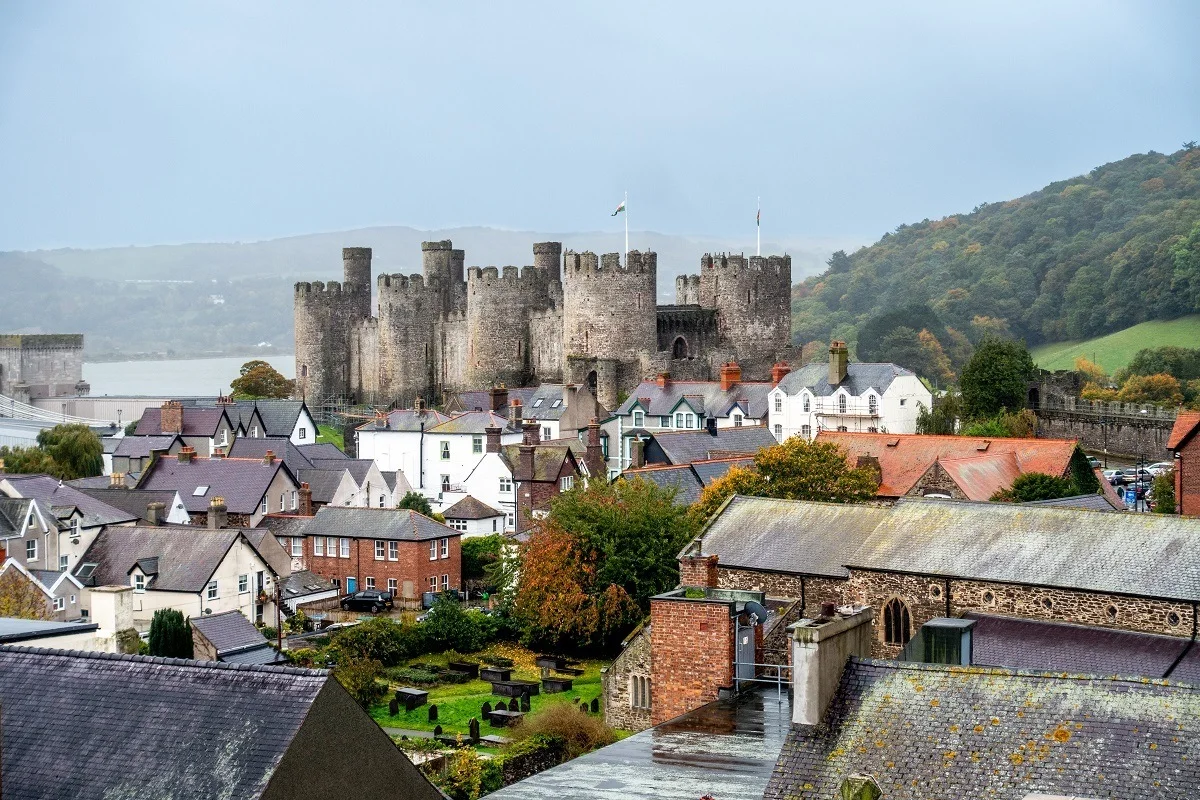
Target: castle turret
(752,297)
(442,267)
(325,313)
(687,290)
(356,270)
(548,256)
(409,310)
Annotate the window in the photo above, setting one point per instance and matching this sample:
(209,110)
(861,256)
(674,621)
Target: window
(457,524)
(59,604)
(304,370)
(243,584)
(872,405)
(493,526)
(902,400)
(639,691)
(345,551)
(72,599)
(505,484)
(639,419)
(509,520)
(556,404)
(380,549)
(433,550)
(370,582)
(546,434)
(381,501)
(476,443)
(679,420)
(318,545)
(254,432)
(282,504)
(537,403)
(664,422)
(737,420)
(303,433)
(297,546)
(779,402)
(841,404)
(31,550)
(446,548)
(295,500)
(200,491)
(331,546)
(392,586)
(806,431)
(807,404)
(139,582)
(842,428)
(445,583)
(212,590)
(62,563)
(779,433)
(896,622)
(445,450)
(337,583)
(393,551)
(565,483)
(433,583)
(264,504)
(75,526)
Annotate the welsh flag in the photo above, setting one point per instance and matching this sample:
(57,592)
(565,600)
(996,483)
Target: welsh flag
(620,208)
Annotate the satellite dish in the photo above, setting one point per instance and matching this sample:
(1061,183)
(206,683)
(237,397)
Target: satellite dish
(757,612)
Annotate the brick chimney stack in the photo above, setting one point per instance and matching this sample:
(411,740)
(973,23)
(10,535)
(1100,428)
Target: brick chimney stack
(499,398)
(839,359)
(117,480)
(305,509)
(663,380)
(186,454)
(531,433)
(780,371)
(269,458)
(514,413)
(171,417)
(493,439)
(381,420)
(731,373)
(156,513)
(523,477)
(637,453)
(419,405)
(594,458)
(218,514)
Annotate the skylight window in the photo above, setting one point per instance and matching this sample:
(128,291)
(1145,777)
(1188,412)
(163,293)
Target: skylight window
(200,491)
(537,403)
(556,404)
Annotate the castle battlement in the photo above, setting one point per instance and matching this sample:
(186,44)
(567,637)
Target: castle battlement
(444,244)
(523,277)
(588,265)
(399,282)
(316,288)
(738,262)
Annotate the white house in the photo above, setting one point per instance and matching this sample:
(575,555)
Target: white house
(840,396)
(474,518)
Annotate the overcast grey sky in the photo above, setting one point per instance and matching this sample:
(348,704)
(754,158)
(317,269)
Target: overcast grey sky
(138,123)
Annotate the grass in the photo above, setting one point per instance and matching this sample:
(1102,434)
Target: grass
(331,435)
(1116,350)
(459,703)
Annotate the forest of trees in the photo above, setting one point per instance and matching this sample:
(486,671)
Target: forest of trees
(1081,257)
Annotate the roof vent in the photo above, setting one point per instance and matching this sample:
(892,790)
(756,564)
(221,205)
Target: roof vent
(893,443)
(984,445)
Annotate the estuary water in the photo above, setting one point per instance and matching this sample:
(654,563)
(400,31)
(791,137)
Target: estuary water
(190,377)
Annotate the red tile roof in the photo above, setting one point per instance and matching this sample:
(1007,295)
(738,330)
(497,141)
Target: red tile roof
(1185,424)
(904,458)
(980,477)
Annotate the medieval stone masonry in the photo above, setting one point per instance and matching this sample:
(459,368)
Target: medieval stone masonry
(569,317)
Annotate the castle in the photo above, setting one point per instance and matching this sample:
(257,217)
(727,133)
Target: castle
(570,317)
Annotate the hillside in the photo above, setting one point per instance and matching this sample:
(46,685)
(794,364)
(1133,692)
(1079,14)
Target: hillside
(1079,258)
(1116,350)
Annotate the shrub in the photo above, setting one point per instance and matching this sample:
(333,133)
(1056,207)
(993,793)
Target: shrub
(1035,486)
(129,641)
(449,627)
(359,677)
(303,656)
(498,661)
(170,634)
(270,632)
(412,675)
(581,732)
(380,639)
(1163,489)
(299,623)
(463,778)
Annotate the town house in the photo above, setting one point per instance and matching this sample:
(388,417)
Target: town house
(250,488)
(202,429)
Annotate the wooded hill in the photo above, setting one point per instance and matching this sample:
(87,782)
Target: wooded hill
(1078,258)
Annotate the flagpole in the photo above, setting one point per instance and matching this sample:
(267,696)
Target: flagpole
(626,228)
(758,230)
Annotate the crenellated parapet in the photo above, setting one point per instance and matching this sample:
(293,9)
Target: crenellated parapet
(687,290)
(752,297)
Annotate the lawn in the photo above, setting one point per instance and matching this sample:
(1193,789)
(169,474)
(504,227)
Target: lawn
(330,434)
(458,703)
(1117,349)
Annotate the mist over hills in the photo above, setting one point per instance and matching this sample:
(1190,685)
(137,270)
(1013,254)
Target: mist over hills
(218,298)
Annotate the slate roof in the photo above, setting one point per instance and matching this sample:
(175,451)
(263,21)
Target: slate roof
(859,377)
(196,422)
(302,583)
(134,501)
(279,417)
(241,481)
(703,397)
(264,542)
(321,450)
(711,470)
(982,476)
(141,446)
(547,461)
(296,458)
(904,458)
(925,731)
(470,508)
(60,498)
(187,556)
(1086,502)
(790,536)
(13,511)
(376,523)
(324,483)
(236,639)
(1185,425)
(471,400)
(469,422)
(679,477)
(146,727)
(13,630)
(1040,645)
(357,467)
(407,420)
(683,447)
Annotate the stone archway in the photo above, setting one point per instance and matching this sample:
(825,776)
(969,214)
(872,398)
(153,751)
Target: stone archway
(680,348)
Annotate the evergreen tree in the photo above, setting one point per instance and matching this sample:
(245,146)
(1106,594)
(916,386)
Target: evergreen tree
(170,634)
(996,378)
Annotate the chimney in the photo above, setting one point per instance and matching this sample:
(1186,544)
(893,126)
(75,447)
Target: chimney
(779,372)
(493,439)
(225,400)
(871,463)
(664,380)
(305,509)
(499,398)
(523,478)
(381,420)
(839,357)
(218,452)
(186,454)
(156,513)
(514,413)
(711,424)
(569,390)
(531,433)
(820,649)
(698,571)
(419,405)
(218,514)
(171,419)
(269,458)
(594,457)
(116,480)
(731,373)
(637,453)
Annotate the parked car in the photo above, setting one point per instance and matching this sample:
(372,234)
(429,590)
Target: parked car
(1093,462)
(368,600)
(1115,476)
(1142,475)
(1160,468)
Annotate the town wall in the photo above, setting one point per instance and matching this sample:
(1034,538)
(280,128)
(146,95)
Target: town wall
(1099,432)
(634,661)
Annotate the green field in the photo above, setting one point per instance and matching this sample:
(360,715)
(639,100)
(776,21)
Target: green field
(330,434)
(1117,349)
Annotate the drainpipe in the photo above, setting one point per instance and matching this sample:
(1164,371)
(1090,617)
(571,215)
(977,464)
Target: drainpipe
(1187,648)
(803,595)
(421,458)
(947,597)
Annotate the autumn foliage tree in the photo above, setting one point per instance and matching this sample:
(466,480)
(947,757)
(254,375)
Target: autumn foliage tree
(1161,389)
(258,380)
(20,598)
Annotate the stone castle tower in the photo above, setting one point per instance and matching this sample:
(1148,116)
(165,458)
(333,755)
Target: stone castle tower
(574,317)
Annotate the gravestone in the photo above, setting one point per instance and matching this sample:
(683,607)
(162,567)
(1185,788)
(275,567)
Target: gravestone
(485,709)
(525,702)
(437,730)
(514,705)
(394,707)
(595,705)
(433,713)
(473,729)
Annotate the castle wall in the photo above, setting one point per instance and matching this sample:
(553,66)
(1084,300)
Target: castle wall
(408,315)
(546,345)
(498,305)
(451,353)
(324,315)
(34,366)
(364,359)
(687,290)
(752,297)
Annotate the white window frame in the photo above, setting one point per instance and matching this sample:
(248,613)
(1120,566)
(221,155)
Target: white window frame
(457,525)
(639,419)
(433,549)
(446,547)
(381,500)
(737,420)
(369,581)
(778,431)
(212,591)
(546,433)
(444,450)
(297,547)
(393,551)
(807,401)
(31,550)
(392,585)
(303,433)
(243,584)
(139,583)
(344,548)
(64,563)
(476,443)
(872,404)
(433,583)
(264,505)
(506,484)
(806,431)
(380,550)
(778,403)
(318,545)
(445,484)
(60,604)
(331,546)
(295,500)
(445,583)
(565,483)
(679,420)
(842,404)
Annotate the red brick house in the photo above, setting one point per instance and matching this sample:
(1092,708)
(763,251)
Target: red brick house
(542,470)
(1184,444)
(394,550)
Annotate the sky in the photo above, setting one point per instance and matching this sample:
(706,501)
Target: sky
(149,123)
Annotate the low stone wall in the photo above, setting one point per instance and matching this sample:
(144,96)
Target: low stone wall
(1120,436)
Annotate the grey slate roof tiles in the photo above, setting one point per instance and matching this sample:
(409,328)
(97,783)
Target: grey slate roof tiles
(134,501)
(51,493)
(229,630)
(295,457)
(185,557)
(376,523)
(90,725)
(470,508)
(242,482)
(951,733)
(680,477)
(859,377)
(196,422)
(684,447)
(13,511)
(703,397)
(141,446)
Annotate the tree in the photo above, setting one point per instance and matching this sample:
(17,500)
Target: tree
(838,263)
(1020,425)
(797,469)
(170,634)
(996,378)
(1090,371)
(381,640)
(1032,486)
(1160,389)
(632,530)
(449,627)
(479,553)
(942,419)
(27,461)
(75,449)
(1163,489)
(20,598)
(360,678)
(415,501)
(258,380)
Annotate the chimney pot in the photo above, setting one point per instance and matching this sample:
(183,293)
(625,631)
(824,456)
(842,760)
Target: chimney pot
(186,454)
(779,372)
(664,380)
(171,417)
(499,397)
(117,480)
(514,413)
(531,433)
(269,458)
(218,514)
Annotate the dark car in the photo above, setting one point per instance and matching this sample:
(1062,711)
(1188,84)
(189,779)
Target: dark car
(368,600)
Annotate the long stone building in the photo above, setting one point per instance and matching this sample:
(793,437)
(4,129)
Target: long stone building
(569,317)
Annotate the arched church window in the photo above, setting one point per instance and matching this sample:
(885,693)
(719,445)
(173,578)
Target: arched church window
(896,622)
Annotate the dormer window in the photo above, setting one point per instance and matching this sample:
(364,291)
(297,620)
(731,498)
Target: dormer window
(139,582)
(841,404)
(779,403)
(807,404)
(639,419)
(872,404)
